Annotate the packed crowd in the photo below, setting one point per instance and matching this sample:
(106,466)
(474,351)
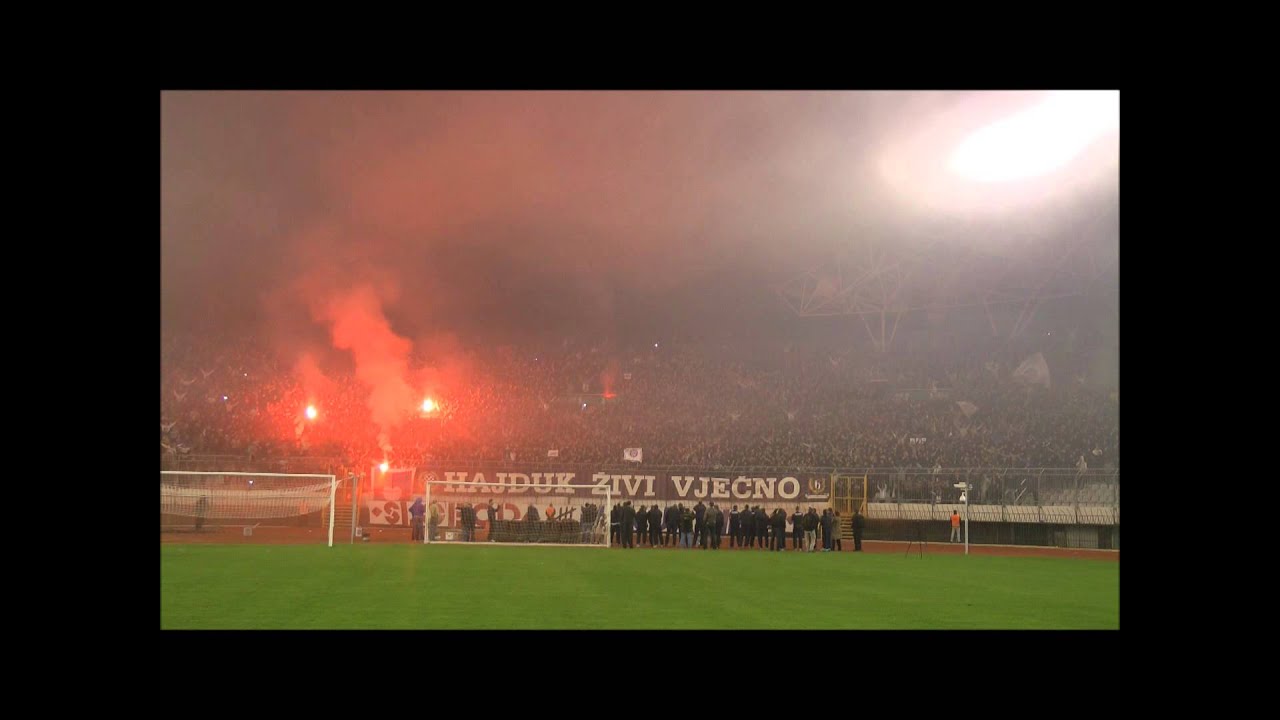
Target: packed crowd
(694,404)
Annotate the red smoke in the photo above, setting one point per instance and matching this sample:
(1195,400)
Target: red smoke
(609,377)
(357,323)
(313,379)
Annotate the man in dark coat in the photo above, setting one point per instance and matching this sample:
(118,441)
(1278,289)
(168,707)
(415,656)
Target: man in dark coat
(655,526)
(626,521)
(642,524)
(780,529)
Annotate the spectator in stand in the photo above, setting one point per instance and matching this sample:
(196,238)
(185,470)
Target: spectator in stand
(692,405)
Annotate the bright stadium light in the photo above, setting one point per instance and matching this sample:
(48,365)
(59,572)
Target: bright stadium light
(384,466)
(311,412)
(428,405)
(1037,140)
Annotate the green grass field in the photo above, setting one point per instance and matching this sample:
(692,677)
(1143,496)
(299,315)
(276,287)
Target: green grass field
(441,586)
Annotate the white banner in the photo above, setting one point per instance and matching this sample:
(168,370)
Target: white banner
(553,453)
(633,454)
(387,512)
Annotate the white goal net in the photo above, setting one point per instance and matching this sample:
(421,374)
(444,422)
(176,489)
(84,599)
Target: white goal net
(247,507)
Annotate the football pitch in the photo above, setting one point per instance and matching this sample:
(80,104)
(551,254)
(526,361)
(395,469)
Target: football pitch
(391,586)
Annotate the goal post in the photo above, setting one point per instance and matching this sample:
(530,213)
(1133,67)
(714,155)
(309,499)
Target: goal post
(247,507)
(574,515)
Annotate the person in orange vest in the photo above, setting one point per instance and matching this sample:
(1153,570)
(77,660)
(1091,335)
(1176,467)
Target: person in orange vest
(551,512)
(955,526)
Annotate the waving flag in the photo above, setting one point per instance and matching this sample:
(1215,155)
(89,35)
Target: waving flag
(633,454)
(1033,371)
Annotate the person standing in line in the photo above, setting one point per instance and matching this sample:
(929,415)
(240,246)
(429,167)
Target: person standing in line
(655,526)
(780,529)
(671,521)
(417,511)
(810,529)
(642,524)
(615,533)
(491,517)
(734,523)
(588,517)
(531,523)
(699,525)
(797,531)
(627,520)
(686,528)
(463,510)
(858,524)
(836,531)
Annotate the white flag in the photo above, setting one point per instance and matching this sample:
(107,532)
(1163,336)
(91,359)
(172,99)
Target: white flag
(967,408)
(553,453)
(1033,371)
(633,454)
